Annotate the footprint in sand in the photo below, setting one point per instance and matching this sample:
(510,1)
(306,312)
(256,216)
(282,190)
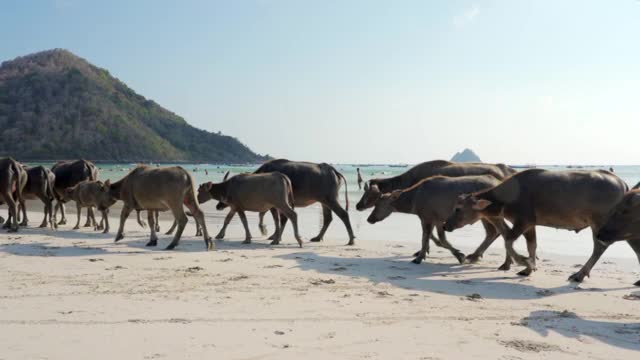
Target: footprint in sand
(530,346)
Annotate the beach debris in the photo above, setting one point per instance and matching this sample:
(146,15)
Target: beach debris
(225,260)
(465,282)
(529,346)
(117,267)
(339,268)
(272,266)
(162,258)
(278,332)
(544,292)
(194,269)
(95,259)
(317,282)
(384,293)
(238,278)
(474,297)
(632,296)
(397,277)
(567,314)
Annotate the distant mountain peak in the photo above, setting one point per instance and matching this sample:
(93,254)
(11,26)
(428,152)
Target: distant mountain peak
(56,105)
(466,155)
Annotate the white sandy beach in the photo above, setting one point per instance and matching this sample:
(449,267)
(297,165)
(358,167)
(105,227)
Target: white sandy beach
(77,295)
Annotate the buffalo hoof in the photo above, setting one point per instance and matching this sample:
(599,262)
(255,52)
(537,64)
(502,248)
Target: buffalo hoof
(460,256)
(142,224)
(62,222)
(263,230)
(152,243)
(198,233)
(12,229)
(417,260)
(247,241)
(157,228)
(170,247)
(24,223)
(99,227)
(417,253)
(43,225)
(86,225)
(472,259)
(637,284)
(505,267)
(351,242)
(525,272)
(219,236)
(119,237)
(105,231)
(272,237)
(170,232)
(210,246)
(316,239)
(76,228)
(577,277)
(275,242)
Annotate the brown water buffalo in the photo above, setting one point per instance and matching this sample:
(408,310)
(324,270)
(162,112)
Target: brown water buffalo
(159,189)
(571,200)
(624,223)
(13,179)
(312,183)
(69,174)
(433,201)
(374,188)
(40,183)
(254,192)
(90,194)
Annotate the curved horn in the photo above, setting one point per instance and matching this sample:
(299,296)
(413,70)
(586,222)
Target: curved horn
(226,176)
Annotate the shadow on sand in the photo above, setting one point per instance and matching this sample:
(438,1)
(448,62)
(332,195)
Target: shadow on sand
(570,325)
(446,279)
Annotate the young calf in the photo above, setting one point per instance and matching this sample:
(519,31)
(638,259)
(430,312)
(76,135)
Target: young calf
(254,192)
(89,194)
(40,182)
(571,200)
(432,200)
(624,223)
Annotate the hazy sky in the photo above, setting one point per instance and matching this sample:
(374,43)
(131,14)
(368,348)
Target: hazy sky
(369,81)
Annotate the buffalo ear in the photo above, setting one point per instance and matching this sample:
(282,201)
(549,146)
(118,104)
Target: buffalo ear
(107,184)
(366,186)
(481,204)
(209,186)
(226,176)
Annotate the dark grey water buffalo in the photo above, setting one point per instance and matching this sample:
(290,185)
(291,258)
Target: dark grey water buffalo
(91,194)
(13,179)
(69,174)
(313,183)
(433,201)
(254,192)
(159,189)
(374,188)
(40,183)
(624,223)
(571,200)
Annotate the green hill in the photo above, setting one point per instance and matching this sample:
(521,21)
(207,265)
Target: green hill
(56,105)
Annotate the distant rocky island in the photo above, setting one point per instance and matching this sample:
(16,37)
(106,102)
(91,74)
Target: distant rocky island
(56,105)
(466,155)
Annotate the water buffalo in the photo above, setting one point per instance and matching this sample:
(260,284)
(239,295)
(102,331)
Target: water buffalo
(69,174)
(375,188)
(40,183)
(312,183)
(13,179)
(433,201)
(159,189)
(254,192)
(90,194)
(624,223)
(571,200)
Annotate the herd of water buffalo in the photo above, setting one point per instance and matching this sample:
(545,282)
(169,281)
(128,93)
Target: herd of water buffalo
(444,195)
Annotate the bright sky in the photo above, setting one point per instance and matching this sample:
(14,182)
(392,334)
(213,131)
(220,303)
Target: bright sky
(545,81)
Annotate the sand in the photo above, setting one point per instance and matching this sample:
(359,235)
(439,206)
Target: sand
(78,295)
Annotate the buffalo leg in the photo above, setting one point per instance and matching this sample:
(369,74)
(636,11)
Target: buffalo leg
(140,221)
(201,226)
(12,222)
(283,222)
(105,217)
(276,221)
(63,219)
(181,219)
(327,217)
(124,214)
(23,207)
(598,249)
(261,225)
(427,228)
(79,208)
(153,240)
(435,241)
(243,218)
(510,236)
(344,216)
(46,211)
(491,234)
(291,215)
(89,217)
(447,245)
(172,228)
(227,220)
(156,215)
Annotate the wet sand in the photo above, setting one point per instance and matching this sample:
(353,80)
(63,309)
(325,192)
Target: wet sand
(76,294)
